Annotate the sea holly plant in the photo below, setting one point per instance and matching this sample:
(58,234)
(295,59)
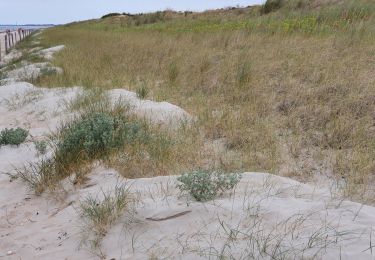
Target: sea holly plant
(13,136)
(205,185)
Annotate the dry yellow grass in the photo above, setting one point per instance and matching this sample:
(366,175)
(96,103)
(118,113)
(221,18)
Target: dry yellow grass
(297,104)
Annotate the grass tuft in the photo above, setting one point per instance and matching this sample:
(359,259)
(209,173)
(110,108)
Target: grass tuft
(99,213)
(142,91)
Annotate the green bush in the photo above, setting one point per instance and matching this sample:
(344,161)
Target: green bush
(94,135)
(13,136)
(205,186)
(271,5)
(110,15)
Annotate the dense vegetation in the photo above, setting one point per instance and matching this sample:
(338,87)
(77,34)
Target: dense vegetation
(285,88)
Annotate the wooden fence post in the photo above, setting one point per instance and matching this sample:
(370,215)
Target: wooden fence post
(6,43)
(9,41)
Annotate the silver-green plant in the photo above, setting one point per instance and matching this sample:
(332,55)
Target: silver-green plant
(204,185)
(13,136)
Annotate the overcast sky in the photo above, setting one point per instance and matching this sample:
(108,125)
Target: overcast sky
(64,11)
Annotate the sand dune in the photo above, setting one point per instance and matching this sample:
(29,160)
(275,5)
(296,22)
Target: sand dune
(265,217)
(295,218)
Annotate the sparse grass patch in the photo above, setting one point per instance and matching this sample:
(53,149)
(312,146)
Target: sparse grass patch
(20,100)
(100,212)
(39,176)
(158,152)
(41,146)
(142,91)
(87,98)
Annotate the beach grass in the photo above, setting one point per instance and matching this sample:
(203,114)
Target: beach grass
(289,92)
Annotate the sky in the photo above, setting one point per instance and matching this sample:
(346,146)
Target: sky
(65,11)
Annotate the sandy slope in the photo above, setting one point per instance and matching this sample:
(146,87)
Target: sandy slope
(265,216)
(49,227)
(41,111)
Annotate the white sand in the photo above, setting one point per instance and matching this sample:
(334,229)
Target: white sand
(48,53)
(265,216)
(31,71)
(26,71)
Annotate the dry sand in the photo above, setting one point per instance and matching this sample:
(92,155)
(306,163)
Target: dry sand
(266,216)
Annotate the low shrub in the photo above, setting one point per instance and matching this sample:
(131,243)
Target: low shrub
(204,186)
(13,136)
(93,136)
(271,5)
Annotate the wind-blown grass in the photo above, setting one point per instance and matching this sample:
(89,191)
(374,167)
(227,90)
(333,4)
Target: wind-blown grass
(290,92)
(99,213)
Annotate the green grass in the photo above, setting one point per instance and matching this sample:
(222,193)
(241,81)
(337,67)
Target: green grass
(292,17)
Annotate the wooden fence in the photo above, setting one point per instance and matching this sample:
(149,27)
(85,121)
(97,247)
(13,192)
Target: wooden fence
(9,39)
